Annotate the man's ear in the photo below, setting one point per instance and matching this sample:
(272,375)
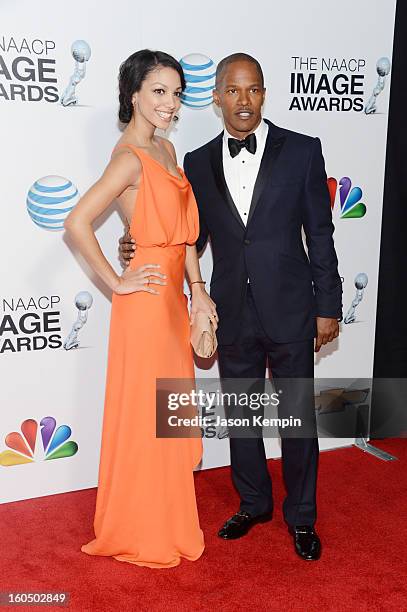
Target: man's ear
(264,94)
(215,96)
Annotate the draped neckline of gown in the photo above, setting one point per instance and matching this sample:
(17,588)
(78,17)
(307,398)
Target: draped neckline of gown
(179,169)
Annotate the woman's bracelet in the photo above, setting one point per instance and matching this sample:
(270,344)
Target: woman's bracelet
(201,282)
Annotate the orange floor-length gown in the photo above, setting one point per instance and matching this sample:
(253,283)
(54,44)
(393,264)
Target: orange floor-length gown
(146,510)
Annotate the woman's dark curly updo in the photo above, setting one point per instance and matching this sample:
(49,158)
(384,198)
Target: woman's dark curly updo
(133,72)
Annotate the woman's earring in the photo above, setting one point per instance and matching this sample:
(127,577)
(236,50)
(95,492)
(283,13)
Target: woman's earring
(175,118)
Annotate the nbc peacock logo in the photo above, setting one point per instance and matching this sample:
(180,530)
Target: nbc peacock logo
(35,442)
(349,198)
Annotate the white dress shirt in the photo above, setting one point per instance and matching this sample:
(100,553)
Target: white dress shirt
(241,171)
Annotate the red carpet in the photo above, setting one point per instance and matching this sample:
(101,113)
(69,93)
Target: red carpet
(362,524)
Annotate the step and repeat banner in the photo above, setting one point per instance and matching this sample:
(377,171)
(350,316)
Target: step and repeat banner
(327,68)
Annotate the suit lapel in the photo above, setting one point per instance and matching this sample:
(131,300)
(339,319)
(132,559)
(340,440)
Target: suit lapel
(217,169)
(274,143)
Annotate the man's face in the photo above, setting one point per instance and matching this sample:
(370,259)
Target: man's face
(240,96)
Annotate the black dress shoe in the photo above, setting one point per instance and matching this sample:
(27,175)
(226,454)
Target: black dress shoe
(240,523)
(306,542)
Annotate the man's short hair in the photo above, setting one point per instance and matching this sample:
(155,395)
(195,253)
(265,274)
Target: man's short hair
(237,57)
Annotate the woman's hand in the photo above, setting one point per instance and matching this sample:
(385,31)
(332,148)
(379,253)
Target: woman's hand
(140,280)
(202,302)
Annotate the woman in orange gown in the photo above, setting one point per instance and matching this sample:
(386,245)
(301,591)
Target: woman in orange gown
(146,510)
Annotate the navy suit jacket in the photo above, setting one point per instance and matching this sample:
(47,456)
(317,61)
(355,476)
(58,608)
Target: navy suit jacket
(289,288)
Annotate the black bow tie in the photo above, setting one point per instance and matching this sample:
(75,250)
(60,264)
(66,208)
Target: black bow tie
(249,143)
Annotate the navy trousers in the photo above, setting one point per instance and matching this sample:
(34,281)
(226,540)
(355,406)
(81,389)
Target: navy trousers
(247,358)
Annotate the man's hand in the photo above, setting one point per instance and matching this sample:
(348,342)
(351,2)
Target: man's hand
(327,330)
(127,246)
(202,302)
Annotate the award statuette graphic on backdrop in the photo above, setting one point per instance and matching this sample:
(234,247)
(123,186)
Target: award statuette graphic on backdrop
(351,206)
(383,67)
(200,72)
(83,301)
(81,53)
(361,281)
(49,201)
(24,447)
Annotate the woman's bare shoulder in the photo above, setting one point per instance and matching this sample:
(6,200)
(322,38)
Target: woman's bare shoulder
(123,148)
(124,162)
(125,155)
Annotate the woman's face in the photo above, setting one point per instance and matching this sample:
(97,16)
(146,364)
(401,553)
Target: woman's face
(159,97)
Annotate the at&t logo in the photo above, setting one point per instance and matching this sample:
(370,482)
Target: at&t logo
(200,72)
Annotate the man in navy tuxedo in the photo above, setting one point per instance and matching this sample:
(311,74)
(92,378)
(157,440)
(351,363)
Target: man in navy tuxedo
(257,187)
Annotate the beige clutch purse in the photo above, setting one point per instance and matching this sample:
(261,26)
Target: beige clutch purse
(203,336)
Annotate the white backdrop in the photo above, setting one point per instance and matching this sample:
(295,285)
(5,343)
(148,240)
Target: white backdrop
(42,138)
